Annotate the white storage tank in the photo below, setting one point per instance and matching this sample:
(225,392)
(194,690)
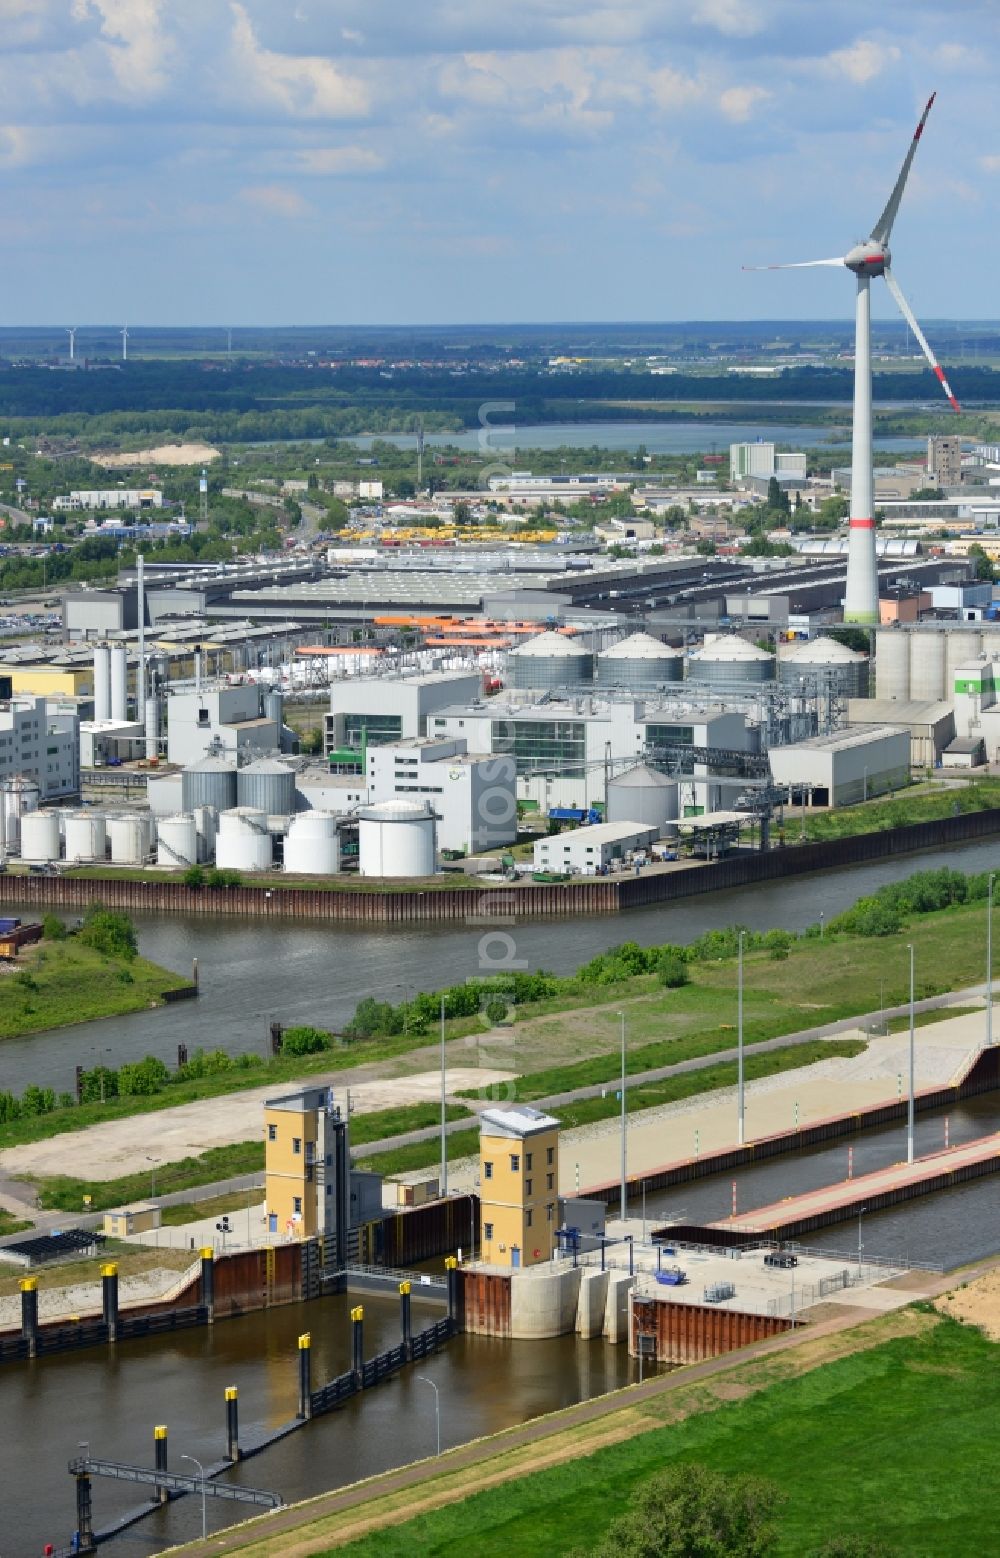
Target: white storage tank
(176,841)
(206,822)
(397,838)
(726,659)
(312,847)
(822,662)
(639,663)
(266,785)
(40,836)
(642,795)
(130,835)
(243,842)
(928,660)
(549,660)
(18,796)
(102,681)
(86,836)
(892,665)
(119,682)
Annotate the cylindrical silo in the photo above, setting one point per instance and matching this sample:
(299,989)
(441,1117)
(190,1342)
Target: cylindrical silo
(312,847)
(640,664)
(210,782)
(267,785)
(892,665)
(726,660)
(176,841)
(152,712)
(119,682)
(243,842)
(827,663)
(961,646)
(40,836)
(642,794)
(102,681)
(86,836)
(19,795)
(548,661)
(397,838)
(206,821)
(274,708)
(130,835)
(928,667)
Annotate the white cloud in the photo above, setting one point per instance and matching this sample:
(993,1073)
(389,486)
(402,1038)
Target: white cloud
(671,90)
(862,61)
(739,103)
(334,161)
(733,17)
(301,86)
(274,200)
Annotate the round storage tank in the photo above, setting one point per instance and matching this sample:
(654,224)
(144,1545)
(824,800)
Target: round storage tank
(206,823)
(211,782)
(40,836)
(102,681)
(397,838)
(274,707)
(312,847)
(18,796)
(119,682)
(643,795)
(86,836)
(268,786)
(821,663)
(892,665)
(131,836)
(639,663)
(243,842)
(928,675)
(176,841)
(549,660)
(726,659)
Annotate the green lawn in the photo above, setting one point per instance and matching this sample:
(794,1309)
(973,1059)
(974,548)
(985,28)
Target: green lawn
(61,982)
(10,1224)
(898,1442)
(923,805)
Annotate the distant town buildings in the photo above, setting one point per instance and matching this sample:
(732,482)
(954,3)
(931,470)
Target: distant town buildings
(761,459)
(109,498)
(944,460)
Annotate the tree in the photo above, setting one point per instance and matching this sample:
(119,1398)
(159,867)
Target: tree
(109,932)
(691,1512)
(983,566)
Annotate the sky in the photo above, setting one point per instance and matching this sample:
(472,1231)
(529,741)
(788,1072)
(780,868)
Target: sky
(265,162)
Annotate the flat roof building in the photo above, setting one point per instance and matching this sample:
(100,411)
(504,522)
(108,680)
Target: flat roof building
(518,1185)
(844,767)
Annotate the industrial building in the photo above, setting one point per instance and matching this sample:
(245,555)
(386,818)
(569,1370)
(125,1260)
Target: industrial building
(473,797)
(40,745)
(591,850)
(236,720)
(844,767)
(109,498)
(309,1185)
(761,459)
(368,710)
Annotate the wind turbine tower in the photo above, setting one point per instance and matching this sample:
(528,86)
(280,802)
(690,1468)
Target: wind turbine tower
(869,260)
(71,332)
(124,343)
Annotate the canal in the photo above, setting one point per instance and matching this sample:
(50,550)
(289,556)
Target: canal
(307,972)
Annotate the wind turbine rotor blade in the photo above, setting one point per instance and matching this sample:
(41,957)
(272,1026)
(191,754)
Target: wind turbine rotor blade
(907,313)
(796,264)
(883,227)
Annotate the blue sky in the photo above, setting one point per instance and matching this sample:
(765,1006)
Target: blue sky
(354,161)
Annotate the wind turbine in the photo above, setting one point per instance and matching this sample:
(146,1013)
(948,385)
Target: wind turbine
(71,332)
(124,343)
(869,259)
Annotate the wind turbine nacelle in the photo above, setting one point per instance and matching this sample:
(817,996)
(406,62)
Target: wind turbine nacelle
(868,259)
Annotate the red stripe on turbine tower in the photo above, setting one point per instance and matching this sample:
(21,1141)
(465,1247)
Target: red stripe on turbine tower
(862,524)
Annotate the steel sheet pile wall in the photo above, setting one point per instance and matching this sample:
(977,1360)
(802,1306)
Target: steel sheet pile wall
(419,1233)
(687,1333)
(484,1303)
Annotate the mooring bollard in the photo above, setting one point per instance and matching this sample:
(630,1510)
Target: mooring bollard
(29,1313)
(160,1460)
(404,1318)
(109,1299)
(208,1282)
(232,1423)
(305,1375)
(358,1340)
(451,1266)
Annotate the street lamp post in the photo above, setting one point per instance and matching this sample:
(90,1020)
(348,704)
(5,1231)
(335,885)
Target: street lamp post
(910,1103)
(861,1212)
(437,1406)
(204,1509)
(739,1043)
(152,1176)
(624,1189)
(989,962)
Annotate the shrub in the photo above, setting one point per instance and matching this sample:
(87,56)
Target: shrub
(218,879)
(109,932)
(194,876)
(142,1078)
(495,1010)
(53,928)
(672,970)
(690,1512)
(304,1041)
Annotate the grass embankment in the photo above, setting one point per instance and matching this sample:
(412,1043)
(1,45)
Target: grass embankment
(925,805)
(131,1259)
(879,1433)
(63,1193)
(62,982)
(11,1224)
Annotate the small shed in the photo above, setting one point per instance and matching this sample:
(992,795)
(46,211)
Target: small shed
(968,753)
(126,1220)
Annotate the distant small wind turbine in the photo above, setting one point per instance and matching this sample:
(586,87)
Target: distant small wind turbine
(71,332)
(124,343)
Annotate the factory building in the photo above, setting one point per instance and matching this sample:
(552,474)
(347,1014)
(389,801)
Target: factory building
(589,851)
(109,498)
(931,724)
(473,796)
(763,460)
(371,710)
(42,745)
(233,719)
(844,767)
